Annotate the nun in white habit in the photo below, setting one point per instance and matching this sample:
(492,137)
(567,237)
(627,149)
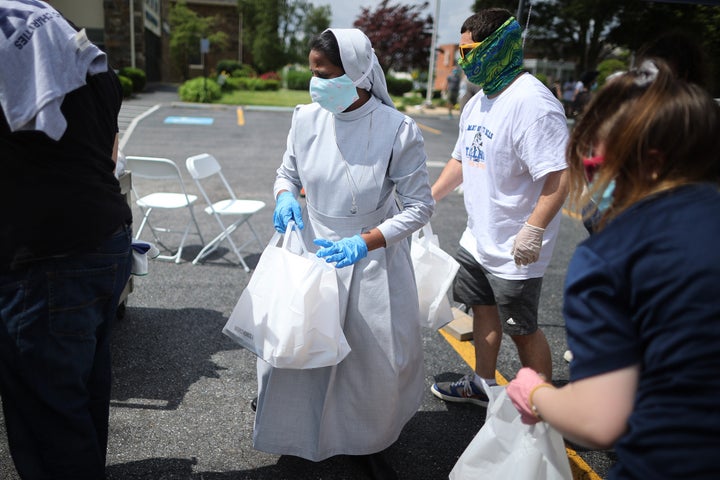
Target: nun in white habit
(363,166)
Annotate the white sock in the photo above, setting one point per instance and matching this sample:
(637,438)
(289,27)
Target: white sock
(490,381)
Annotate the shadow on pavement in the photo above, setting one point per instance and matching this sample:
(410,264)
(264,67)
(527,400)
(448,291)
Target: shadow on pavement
(414,456)
(153,367)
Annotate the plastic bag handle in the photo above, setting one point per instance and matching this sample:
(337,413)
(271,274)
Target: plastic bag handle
(426,230)
(292,228)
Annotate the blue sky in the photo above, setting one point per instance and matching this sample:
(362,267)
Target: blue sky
(452,14)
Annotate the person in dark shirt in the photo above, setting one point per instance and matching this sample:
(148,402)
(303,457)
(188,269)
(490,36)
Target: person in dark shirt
(640,300)
(65,245)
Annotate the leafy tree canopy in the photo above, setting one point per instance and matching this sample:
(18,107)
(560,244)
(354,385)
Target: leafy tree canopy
(587,32)
(278,32)
(267,48)
(301,21)
(400,34)
(187,30)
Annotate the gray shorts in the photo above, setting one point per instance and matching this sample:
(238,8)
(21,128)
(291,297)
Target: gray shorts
(517,300)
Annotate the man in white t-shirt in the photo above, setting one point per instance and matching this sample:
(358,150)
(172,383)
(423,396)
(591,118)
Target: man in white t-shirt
(510,159)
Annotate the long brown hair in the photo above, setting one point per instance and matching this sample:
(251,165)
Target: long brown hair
(659,132)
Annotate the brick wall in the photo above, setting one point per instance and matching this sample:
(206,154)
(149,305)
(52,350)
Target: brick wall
(444,63)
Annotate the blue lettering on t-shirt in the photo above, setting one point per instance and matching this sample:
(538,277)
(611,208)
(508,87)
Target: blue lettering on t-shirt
(475,154)
(9,30)
(475,151)
(7,13)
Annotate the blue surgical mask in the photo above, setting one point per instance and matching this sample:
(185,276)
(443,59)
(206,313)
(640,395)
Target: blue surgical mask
(604,199)
(333,94)
(601,201)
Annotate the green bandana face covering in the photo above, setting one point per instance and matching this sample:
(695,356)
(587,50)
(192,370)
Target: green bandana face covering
(496,63)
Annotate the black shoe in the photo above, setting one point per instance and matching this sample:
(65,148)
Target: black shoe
(253,404)
(378,467)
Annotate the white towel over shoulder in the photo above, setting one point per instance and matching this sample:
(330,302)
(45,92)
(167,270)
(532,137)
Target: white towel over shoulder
(43,58)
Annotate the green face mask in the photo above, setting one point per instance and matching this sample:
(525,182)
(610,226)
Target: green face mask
(498,60)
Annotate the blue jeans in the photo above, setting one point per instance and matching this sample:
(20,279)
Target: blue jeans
(55,377)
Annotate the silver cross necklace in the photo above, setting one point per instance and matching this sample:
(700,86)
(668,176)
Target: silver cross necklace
(348,176)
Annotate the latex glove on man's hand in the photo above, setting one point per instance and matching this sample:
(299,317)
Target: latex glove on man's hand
(344,252)
(520,391)
(286,209)
(527,245)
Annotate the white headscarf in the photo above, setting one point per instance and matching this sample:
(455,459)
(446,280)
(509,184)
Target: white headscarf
(359,61)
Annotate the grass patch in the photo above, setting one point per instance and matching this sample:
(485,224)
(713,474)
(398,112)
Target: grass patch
(278,98)
(290,98)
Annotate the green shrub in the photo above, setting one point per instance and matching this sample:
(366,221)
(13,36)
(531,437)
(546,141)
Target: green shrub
(227,66)
(127,86)
(137,76)
(243,71)
(200,90)
(608,67)
(298,79)
(398,86)
(233,83)
(252,84)
(436,94)
(273,85)
(542,77)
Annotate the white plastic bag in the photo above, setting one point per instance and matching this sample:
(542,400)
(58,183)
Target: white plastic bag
(507,448)
(289,313)
(434,273)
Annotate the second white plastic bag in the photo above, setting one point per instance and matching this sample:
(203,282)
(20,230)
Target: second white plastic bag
(434,273)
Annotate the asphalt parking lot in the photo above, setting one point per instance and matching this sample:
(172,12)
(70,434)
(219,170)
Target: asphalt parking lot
(180,407)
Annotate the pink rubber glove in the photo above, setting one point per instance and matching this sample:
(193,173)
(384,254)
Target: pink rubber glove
(520,391)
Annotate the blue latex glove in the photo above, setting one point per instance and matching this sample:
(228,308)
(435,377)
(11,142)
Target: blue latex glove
(286,209)
(344,252)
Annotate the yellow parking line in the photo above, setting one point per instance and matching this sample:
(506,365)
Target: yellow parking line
(429,129)
(240,117)
(571,214)
(580,469)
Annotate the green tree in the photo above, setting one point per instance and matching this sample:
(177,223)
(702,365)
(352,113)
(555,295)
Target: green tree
(276,32)
(300,22)
(587,32)
(187,29)
(400,35)
(574,30)
(247,10)
(511,5)
(267,48)
(644,22)
(608,67)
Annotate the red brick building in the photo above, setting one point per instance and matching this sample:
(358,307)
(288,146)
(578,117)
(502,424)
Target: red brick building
(445,60)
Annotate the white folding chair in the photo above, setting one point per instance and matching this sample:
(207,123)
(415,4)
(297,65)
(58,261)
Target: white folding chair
(204,166)
(162,169)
